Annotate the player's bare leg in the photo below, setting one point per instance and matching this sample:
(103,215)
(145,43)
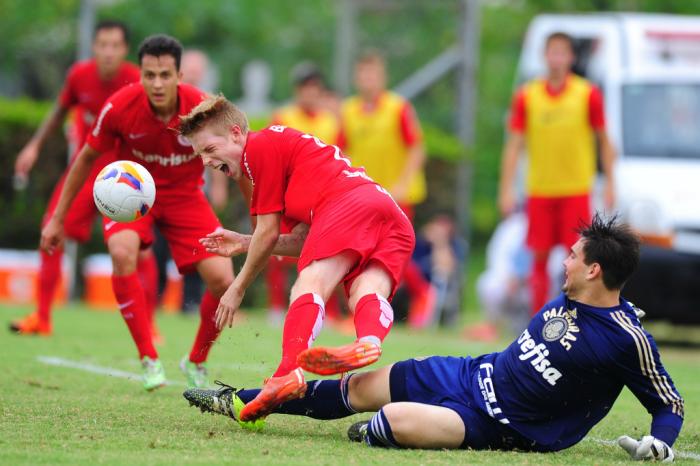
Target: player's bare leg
(303,322)
(217,274)
(413,425)
(124,249)
(373,320)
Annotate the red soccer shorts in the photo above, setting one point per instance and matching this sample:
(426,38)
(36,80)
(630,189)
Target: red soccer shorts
(555,220)
(365,220)
(182,217)
(82,212)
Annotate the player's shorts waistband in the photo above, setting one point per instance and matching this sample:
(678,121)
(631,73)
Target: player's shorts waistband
(488,393)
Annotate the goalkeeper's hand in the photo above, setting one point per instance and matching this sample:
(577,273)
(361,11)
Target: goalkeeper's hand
(646,448)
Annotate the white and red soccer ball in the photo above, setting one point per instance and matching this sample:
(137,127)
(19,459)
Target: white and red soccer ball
(124,191)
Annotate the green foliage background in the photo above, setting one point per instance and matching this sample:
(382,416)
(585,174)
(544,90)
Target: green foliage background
(37,45)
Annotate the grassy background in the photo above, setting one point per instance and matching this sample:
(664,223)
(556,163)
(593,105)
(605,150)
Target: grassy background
(56,415)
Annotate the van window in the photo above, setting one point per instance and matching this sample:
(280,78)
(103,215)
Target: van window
(661,120)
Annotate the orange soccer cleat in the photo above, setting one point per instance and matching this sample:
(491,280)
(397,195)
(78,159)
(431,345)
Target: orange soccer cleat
(275,391)
(328,360)
(31,325)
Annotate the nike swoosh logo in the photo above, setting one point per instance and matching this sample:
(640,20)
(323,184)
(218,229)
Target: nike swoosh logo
(136,136)
(126,304)
(109,225)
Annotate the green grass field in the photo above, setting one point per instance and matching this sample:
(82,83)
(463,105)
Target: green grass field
(63,415)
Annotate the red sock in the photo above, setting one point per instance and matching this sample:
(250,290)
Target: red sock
(301,327)
(539,284)
(207,333)
(132,304)
(276,278)
(333,307)
(49,275)
(373,318)
(414,280)
(148,274)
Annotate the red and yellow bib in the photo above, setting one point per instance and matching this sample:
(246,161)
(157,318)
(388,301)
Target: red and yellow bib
(560,139)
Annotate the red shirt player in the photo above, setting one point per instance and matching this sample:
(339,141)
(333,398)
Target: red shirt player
(357,236)
(88,85)
(141,120)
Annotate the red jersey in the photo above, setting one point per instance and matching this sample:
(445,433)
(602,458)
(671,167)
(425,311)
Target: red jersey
(86,90)
(128,121)
(295,173)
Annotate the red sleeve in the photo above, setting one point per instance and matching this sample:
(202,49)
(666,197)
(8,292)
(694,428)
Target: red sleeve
(517,122)
(68,98)
(267,171)
(596,111)
(410,127)
(104,132)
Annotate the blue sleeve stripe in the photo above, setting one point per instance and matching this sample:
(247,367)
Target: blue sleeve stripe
(647,363)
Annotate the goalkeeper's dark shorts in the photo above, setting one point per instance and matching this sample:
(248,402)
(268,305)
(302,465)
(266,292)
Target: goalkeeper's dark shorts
(447,382)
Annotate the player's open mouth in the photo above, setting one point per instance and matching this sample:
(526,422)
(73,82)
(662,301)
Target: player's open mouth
(224,168)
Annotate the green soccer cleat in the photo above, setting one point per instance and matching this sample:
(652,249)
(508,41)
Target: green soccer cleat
(196,374)
(153,373)
(221,401)
(358,432)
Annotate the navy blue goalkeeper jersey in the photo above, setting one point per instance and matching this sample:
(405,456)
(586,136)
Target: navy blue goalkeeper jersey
(565,371)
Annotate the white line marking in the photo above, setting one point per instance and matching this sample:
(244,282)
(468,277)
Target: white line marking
(95,369)
(679,454)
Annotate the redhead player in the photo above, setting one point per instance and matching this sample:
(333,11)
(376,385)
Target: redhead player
(357,235)
(141,120)
(88,85)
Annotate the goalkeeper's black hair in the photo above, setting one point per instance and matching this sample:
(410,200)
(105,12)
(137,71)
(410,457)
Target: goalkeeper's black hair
(614,246)
(159,45)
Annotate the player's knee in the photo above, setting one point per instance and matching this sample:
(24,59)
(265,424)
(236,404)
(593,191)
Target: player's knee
(402,426)
(219,284)
(309,282)
(124,259)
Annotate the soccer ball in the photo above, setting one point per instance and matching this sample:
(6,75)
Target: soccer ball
(124,191)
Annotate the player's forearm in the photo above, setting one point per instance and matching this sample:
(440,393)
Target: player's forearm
(509,161)
(416,162)
(76,177)
(262,244)
(608,156)
(291,244)
(52,121)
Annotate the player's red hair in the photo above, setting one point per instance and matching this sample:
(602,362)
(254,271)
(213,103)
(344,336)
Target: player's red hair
(213,110)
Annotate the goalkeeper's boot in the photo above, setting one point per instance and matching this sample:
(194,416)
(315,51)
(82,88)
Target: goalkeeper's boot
(224,400)
(337,360)
(196,373)
(275,391)
(153,373)
(358,432)
(31,325)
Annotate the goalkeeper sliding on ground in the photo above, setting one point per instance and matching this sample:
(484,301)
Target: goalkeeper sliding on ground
(543,393)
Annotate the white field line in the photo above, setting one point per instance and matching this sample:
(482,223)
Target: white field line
(95,369)
(679,454)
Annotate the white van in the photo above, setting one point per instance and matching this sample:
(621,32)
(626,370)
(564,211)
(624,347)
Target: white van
(648,67)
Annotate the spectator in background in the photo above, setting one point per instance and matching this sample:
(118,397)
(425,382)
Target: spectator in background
(559,118)
(380,132)
(440,254)
(307,114)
